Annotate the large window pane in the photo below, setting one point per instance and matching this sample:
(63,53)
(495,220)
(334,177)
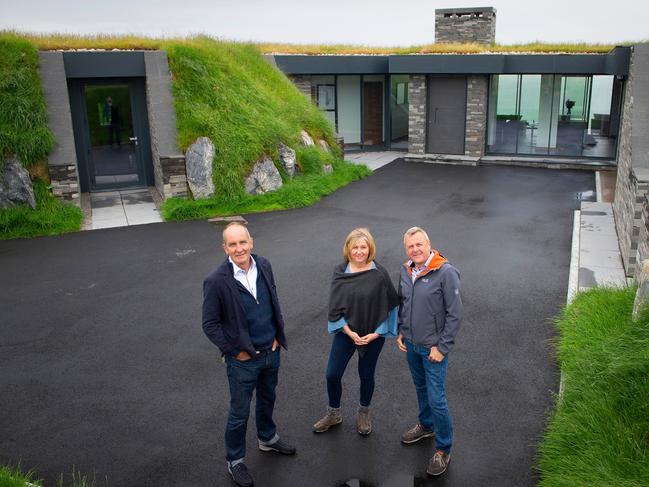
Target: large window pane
(600,140)
(399,111)
(323,94)
(572,113)
(349,109)
(504,120)
(529,110)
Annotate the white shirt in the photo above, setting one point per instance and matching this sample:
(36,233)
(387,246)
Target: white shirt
(247,279)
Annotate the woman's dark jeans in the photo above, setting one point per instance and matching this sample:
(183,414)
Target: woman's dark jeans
(342,350)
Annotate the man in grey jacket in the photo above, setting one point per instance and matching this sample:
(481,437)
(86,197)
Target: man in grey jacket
(429,318)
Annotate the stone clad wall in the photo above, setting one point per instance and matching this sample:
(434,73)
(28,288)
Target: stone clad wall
(173,174)
(62,162)
(632,184)
(168,161)
(476,115)
(417,114)
(302,83)
(466,25)
(643,238)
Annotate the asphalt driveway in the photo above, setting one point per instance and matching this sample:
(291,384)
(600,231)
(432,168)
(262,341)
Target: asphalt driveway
(104,367)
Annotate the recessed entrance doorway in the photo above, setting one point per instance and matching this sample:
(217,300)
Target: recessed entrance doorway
(111,133)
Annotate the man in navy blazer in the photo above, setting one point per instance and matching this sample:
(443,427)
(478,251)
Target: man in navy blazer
(241,316)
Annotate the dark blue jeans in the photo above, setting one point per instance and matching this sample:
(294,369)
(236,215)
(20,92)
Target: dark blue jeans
(260,374)
(429,378)
(342,350)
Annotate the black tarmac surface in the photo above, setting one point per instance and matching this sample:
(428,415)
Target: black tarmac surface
(104,367)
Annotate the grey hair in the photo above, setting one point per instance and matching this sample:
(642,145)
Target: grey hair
(411,231)
(235,224)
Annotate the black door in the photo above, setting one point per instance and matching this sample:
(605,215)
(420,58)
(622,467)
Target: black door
(446,115)
(111,133)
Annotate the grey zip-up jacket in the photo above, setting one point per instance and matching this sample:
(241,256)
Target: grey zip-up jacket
(431,308)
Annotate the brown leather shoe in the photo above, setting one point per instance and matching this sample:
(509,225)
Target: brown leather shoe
(416,433)
(364,422)
(332,418)
(439,463)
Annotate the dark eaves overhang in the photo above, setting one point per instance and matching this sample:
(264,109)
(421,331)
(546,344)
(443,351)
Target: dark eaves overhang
(103,64)
(615,62)
(299,64)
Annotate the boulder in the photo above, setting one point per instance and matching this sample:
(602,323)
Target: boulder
(287,158)
(328,168)
(199,160)
(305,139)
(324,146)
(263,178)
(15,185)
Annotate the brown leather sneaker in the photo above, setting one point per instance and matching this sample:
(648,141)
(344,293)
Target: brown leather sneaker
(439,463)
(416,433)
(332,418)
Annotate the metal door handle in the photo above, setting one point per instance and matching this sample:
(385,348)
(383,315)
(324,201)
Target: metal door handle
(133,139)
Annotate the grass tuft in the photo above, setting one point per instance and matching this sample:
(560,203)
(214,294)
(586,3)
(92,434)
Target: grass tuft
(14,477)
(51,216)
(599,430)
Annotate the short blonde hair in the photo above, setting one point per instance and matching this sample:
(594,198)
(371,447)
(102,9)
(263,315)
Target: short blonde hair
(354,236)
(412,230)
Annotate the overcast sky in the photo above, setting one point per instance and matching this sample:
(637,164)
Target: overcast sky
(366,22)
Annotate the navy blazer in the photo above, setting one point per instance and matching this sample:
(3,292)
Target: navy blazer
(224,317)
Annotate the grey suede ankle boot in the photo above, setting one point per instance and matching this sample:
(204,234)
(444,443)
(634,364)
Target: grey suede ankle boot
(364,422)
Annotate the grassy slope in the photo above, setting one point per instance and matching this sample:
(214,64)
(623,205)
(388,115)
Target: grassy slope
(23,118)
(228,92)
(599,433)
(24,132)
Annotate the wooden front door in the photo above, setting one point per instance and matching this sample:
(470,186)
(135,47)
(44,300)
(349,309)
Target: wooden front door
(372,113)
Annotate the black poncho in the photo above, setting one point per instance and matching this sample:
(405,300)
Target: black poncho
(363,298)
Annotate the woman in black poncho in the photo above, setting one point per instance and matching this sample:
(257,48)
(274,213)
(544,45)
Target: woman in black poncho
(363,307)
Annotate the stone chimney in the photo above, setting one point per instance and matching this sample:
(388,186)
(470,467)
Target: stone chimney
(466,25)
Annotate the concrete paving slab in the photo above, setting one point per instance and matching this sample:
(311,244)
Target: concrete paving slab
(123,208)
(600,261)
(374,160)
(600,258)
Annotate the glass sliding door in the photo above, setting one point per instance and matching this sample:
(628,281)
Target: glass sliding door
(349,110)
(572,116)
(399,111)
(529,110)
(572,113)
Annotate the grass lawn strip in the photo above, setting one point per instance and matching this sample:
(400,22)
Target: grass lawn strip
(599,432)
